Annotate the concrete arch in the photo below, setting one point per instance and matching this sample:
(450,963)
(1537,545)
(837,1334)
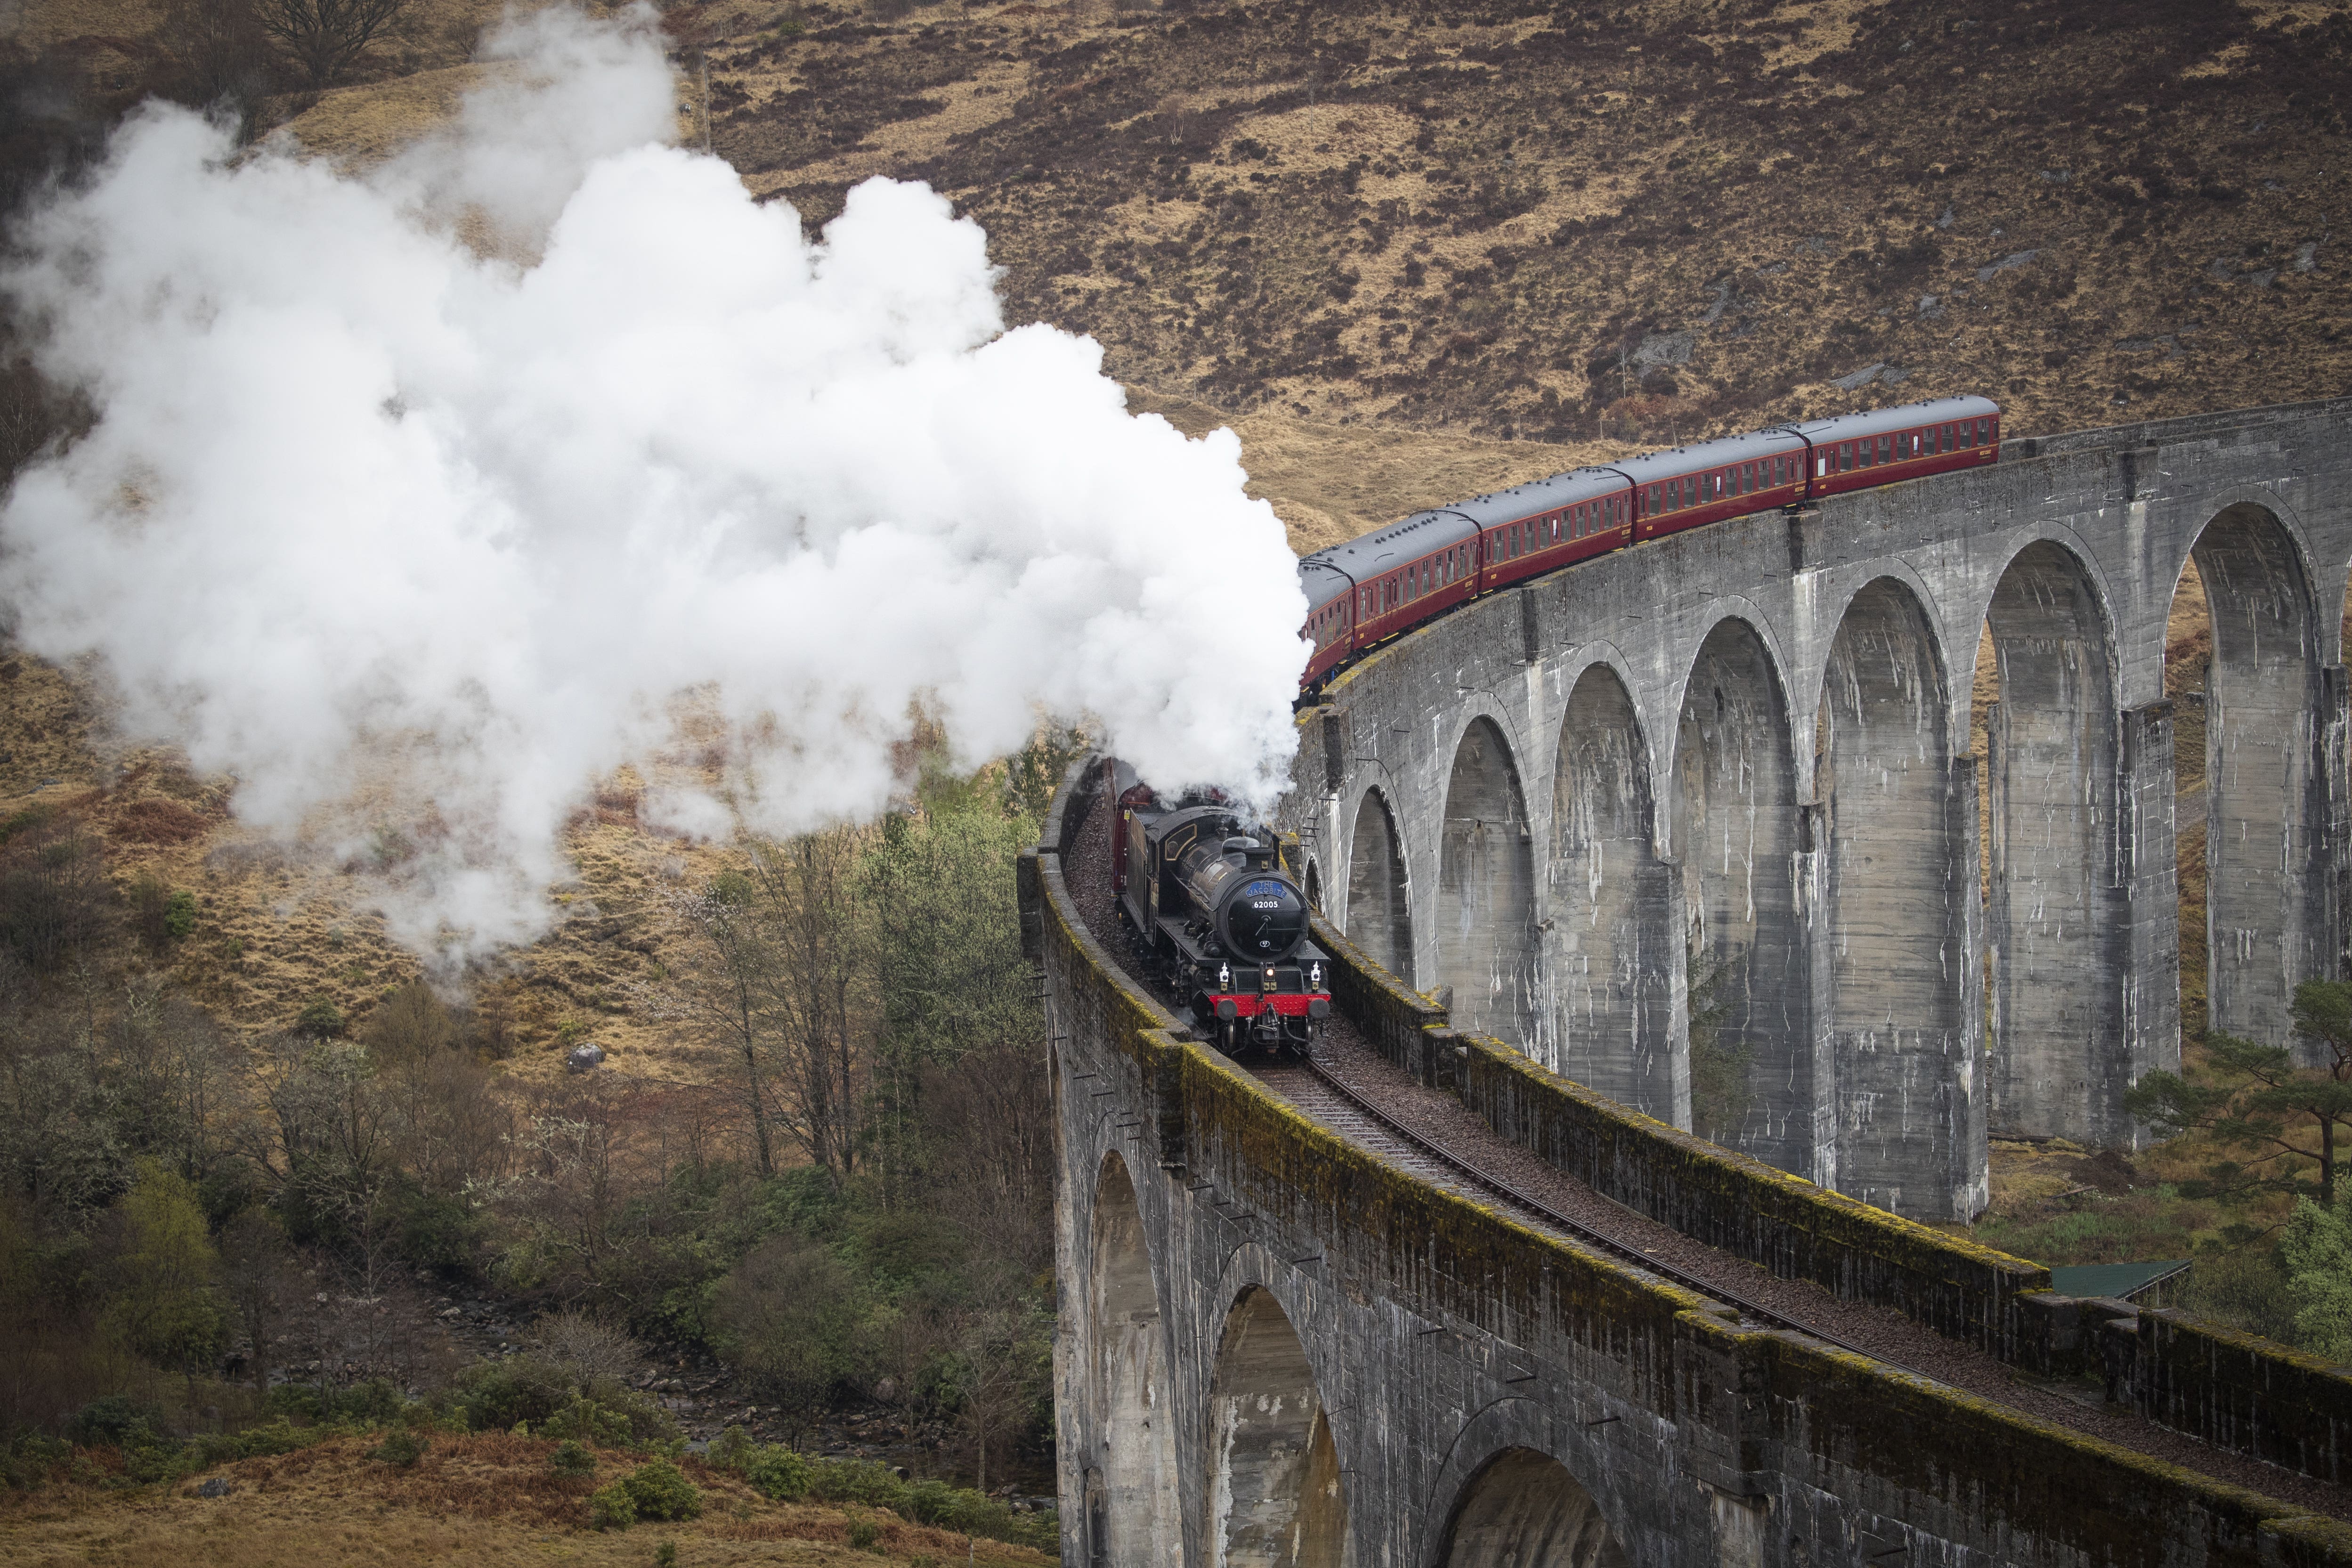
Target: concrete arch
(1133,1515)
(1277,1498)
(1949,650)
(1752,1075)
(1379,894)
(1486,891)
(2057,1061)
(1897,828)
(2265,805)
(1608,959)
(1524,1509)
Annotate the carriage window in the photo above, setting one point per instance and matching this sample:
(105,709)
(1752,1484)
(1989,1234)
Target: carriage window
(1845,457)
(1984,431)
(1886,448)
(1748,478)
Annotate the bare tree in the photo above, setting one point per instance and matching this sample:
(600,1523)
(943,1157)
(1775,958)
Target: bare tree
(785,989)
(259,1279)
(222,51)
(326,38)
(732,998)
(994,1109)
(1006,1359)
(587,1348)
(580,1167)
(819,987)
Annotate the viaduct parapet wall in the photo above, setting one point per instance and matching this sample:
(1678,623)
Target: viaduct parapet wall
(1697,824)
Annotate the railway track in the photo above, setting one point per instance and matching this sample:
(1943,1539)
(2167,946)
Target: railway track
(1314,1089)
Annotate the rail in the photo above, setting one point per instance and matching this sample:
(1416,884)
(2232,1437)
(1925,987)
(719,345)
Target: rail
(1585,1232)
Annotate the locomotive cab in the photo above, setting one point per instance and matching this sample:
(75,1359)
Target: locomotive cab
(1218,920)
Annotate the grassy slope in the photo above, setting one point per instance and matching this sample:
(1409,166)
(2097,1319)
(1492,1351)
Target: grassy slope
(488,1499)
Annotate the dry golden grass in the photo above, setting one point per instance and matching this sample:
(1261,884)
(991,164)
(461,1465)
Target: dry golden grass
(489,1498)
(367,123)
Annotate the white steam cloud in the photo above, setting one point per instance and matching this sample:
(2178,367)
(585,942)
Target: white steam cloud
(363,503)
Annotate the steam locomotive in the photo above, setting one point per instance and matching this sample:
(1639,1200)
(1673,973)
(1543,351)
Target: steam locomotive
(1216,918)
(1377,587)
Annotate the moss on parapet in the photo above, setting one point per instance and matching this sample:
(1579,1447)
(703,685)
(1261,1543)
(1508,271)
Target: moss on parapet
(1789,1225)
(2242,1391)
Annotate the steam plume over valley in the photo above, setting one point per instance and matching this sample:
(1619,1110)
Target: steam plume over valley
(455,482)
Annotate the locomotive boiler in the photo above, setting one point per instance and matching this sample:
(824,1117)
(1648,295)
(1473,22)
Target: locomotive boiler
(1217,919)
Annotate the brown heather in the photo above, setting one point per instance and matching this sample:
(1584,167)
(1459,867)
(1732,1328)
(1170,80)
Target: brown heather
(484,1499)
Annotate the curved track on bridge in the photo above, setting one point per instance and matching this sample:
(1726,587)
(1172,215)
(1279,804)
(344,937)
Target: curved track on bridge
(1314,1088)
(1358,1095)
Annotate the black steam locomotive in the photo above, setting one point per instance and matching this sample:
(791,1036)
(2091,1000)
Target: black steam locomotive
(1217,919)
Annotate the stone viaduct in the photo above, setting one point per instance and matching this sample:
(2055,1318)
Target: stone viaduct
(1276,1349)
(1697,824)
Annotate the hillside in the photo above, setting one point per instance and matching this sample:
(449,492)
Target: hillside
(1652,219)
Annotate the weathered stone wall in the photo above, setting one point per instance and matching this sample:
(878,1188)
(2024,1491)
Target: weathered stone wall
(1795,723)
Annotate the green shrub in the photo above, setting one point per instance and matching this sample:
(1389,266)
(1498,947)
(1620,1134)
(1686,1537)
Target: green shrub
(279,1437)
(400,1447)
(320,1018)
(863,1535)
(499,1395)
(777,1472)
(660,1490)
(29,1458)
(570,1460)
(585,1421)
(114,1422)
(665,1555)
(611,1507)
(732,1451)
(932,1502)
(179,914)
(858,1481)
